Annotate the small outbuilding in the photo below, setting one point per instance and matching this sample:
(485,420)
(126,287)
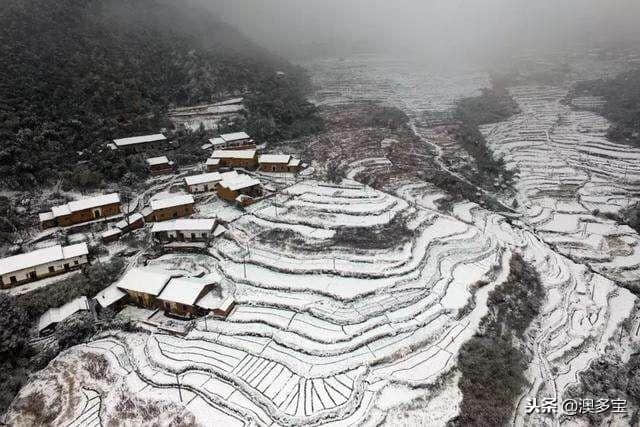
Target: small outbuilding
(50,319)
(132,222)
(111,235)
(110,297)
(160,165)
(217,306)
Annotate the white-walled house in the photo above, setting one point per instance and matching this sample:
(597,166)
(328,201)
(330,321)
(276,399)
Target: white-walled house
(184,230)
(41,263)
(207,181)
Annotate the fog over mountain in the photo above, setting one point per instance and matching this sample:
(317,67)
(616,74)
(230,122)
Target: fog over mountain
(442,28)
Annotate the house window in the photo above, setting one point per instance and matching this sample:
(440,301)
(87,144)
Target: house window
(76,262)
(175,215)
(52,269)
(204,235)
(13,279)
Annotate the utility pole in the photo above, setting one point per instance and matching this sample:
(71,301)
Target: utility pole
(179,389)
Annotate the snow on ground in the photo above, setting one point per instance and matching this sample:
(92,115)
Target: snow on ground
(365,334)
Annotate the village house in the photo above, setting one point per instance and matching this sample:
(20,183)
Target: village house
(41,263)
(160,166)
(132,222)
(278,163)
(143,286)
(206,181)
(80,211)
(181,295)
(50,319)
(247,159)
(184,230)
(239,188)
(235,141)
(172,207)
(138,144)
(111,235)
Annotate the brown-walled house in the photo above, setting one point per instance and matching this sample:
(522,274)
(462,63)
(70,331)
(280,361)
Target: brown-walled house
(241,185)
(155,289)
(143,286)
(160,166)
(247,159)
(181,295)
(233,141)
(80,211)
(278,163)
(172,207)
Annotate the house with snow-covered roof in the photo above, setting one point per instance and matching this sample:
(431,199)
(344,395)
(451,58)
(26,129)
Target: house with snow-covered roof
(239,186)
(81,211)
(160,165)
(236,158)
(182,294)
(140,143)
(221,307)
(41,263)
(50,319)
(231,141)
(143,285)
(278,163)
(206,181)
(131,222)
(184,230)
(172,207)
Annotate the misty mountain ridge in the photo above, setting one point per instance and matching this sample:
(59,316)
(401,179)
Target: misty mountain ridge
(75,74)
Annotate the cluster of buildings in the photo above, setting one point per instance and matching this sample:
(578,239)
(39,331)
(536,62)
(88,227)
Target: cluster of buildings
(249,159)
(171,226)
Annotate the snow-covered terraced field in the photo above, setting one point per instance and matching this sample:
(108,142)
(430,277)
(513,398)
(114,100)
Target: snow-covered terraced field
(582,174)
(327,332)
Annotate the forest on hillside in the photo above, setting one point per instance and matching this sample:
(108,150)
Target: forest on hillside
(622,104)
(75,74)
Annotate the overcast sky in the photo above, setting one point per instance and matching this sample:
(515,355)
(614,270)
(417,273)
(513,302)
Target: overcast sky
(430,27)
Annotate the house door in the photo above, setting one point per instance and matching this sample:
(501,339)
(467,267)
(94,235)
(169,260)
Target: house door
(66,267)
(180,236)
(96,213)
(33,275)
